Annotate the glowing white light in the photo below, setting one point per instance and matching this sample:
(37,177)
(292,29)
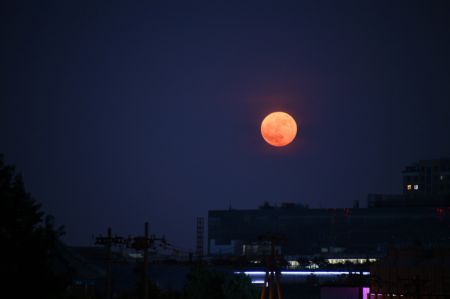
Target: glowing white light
(251,272)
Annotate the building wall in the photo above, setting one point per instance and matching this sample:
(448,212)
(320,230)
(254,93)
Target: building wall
(427,178)
(420,214)
(414,272)
(309,231)
(336,292)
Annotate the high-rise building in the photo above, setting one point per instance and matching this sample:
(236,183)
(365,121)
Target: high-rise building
(427,179)
(426,183)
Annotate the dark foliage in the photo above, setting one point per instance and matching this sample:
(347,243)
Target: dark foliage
(210,284)
(28,241)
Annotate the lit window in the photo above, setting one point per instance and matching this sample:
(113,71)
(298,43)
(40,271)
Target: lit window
(312,266)
(293,264)
(409,187)
(416,187)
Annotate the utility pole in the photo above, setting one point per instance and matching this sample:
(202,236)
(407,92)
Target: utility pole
(109,266)
(143,243)
(108,242)
(144,271)
(272,277)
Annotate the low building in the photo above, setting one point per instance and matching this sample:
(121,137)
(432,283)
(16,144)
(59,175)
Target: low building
(412,273)
(420,214)
(359,232)
(344,292)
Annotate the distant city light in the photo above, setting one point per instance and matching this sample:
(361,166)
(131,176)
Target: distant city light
(293,264)
(312,266)
(351,260)
(366,292)
(374,295)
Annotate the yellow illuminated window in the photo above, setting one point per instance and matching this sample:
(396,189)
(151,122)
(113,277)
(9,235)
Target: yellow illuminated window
(409,187)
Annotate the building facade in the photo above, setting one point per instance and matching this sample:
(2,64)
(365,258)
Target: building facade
(419,215)
(327,231)
(429,179)
(411,273)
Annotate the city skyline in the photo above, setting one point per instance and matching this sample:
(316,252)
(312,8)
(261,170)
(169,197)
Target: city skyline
(121,114)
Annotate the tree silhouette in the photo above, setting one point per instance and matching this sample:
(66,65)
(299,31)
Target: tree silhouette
(203,283)
(28,240)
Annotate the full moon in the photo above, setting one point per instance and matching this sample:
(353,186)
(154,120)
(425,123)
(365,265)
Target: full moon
(278,129)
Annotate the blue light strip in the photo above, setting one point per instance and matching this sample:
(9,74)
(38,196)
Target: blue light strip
(321,273)
(303,273)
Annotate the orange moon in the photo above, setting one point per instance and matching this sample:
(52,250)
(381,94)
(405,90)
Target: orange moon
(278,129)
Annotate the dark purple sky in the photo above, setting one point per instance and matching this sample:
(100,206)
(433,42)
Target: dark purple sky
(118,114)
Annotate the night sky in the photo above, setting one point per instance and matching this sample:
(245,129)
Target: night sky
(117,114)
